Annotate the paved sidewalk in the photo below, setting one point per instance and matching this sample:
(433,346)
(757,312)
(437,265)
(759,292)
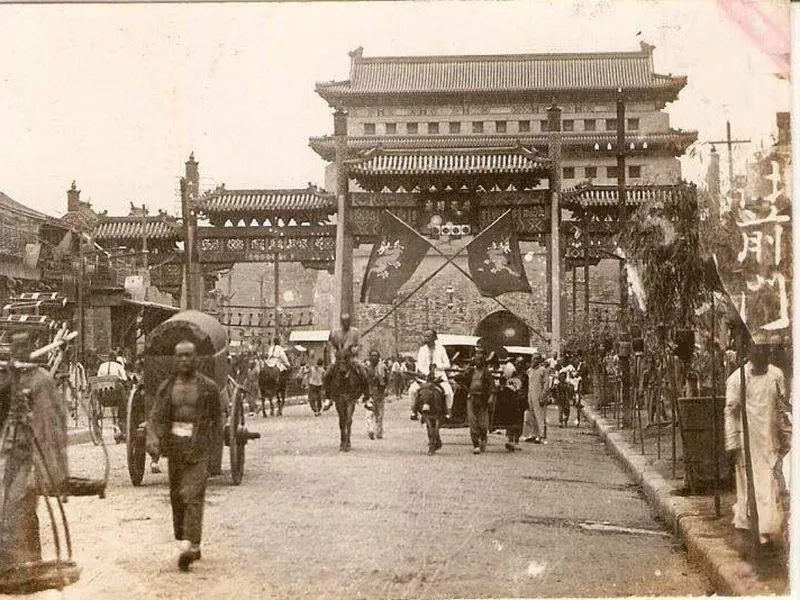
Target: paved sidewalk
(710,540)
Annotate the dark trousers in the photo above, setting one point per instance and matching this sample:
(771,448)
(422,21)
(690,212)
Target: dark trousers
(563,411)
(345,408)
(432,422)
(478,418)
(315,397)
(187,490)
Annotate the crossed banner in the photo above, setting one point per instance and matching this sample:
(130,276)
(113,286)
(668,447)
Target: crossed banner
(449,260)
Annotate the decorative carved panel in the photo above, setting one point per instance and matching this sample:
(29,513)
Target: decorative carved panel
(261,244)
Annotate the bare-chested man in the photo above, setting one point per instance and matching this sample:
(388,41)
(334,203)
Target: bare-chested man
(182,423)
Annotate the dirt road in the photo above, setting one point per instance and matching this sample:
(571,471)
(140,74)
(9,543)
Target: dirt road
(384,520)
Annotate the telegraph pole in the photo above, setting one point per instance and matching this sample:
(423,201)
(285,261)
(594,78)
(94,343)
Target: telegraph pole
(729,142)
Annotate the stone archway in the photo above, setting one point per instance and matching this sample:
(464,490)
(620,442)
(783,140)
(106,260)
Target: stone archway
(502,328)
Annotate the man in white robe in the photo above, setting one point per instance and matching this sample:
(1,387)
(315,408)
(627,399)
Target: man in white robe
(769,430)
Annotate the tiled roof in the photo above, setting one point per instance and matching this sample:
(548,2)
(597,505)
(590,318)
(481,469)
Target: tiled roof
(323,145)
(268,201)
(8,203)
(501,73)
(591,196)
(420,164)
(130,228)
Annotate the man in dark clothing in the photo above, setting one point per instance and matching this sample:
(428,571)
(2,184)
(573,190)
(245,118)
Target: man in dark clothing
(563,394)
(481,393)
(377,381)
(182,422)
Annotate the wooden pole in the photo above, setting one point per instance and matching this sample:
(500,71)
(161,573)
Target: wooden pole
(343,269)
(574,299)
(277,296)
(556,256)
(586,279)
(752,507)
(81,300)
(627,413)
(714,416)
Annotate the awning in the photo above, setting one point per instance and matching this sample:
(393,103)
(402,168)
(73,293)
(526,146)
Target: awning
(310,335)
(300,348)
(525,350)
(448,339)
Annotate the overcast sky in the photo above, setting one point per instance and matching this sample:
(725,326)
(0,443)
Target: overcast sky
(116,97)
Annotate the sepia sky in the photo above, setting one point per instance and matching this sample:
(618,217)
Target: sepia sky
(116,97)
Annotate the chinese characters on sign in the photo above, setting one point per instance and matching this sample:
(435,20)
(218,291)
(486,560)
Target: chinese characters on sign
(759,278)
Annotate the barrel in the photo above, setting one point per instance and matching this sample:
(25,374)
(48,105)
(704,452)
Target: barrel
(696,421)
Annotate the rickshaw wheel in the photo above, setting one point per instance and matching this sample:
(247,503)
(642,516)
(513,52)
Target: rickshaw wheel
(134,440)
(236,441)
(95,419)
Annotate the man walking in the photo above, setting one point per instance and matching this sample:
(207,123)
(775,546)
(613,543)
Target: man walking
(769,432)
(432,357)
(481,392)
(535,416)
(376,384)
(182,422)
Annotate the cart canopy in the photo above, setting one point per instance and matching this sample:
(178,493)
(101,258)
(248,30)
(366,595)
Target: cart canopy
(208,336)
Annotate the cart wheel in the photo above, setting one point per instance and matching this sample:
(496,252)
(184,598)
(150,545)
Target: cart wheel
(235,438)
(134,439)
(95,419)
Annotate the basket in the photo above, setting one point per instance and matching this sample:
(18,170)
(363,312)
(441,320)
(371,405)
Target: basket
(29,578)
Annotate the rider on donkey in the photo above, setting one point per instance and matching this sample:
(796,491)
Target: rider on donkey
(432,354)
(344,343)
(278,364)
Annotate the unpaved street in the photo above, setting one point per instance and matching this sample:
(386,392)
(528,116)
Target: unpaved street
(385,520)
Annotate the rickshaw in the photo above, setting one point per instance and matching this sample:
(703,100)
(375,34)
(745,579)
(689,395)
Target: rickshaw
(107,393)
(460,350)
(210,340)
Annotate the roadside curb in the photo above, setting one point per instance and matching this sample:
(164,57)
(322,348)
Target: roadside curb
(687,519)
(80,435)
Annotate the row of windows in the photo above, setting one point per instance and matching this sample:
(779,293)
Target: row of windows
(435,127)
(634,172)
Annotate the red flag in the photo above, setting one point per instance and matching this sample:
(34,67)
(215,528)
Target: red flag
(495,262)
(395,257)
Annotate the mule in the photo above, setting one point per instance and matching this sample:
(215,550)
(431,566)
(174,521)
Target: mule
(346,385)
(430,403)
(272,384)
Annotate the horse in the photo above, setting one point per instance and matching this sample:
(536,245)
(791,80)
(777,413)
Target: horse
(346,385)
(272,383)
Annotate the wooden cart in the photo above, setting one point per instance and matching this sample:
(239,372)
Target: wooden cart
(210,339)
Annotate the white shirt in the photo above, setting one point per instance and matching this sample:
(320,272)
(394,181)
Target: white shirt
(112,367)
(438,357)
(509,370)
(276,357)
